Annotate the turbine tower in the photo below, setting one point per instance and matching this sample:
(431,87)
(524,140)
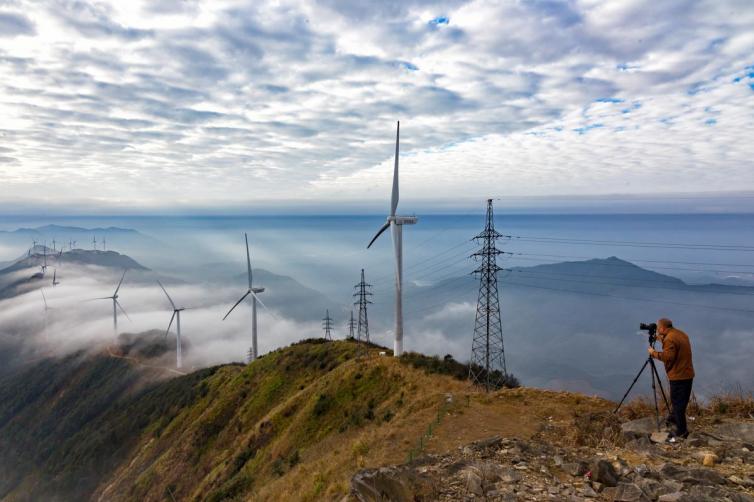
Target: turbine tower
(94,242)
(254,299)
(177,317)
(396,229)
(116,304)
(47,308)
(44,254)
(55,280)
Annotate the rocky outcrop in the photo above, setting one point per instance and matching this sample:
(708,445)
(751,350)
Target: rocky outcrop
(509,469)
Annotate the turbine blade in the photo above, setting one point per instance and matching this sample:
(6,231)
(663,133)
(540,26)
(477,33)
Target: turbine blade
(166,293)
(248,258)
(43,298)
(101,298)
(170,323)
(122,310)
(379,232)
(236,305)
(121,281)
(263,305)
(394,196)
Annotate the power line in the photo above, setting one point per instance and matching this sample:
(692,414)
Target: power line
(643,244)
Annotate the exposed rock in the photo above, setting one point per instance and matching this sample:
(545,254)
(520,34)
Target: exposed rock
(576,468)
(646,425)
(671,497)
(603,472)
(629,492)
(709,460)
(659,437)
(390,483)
(736,430)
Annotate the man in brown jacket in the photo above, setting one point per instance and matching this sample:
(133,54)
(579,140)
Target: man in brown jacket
(676,355)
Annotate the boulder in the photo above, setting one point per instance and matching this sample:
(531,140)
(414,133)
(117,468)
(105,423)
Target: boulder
(629,492)
(671,497)
(603,472)
(390,483)
(646,425)
(736,431)
(700,476)
(659,437)
(576,469)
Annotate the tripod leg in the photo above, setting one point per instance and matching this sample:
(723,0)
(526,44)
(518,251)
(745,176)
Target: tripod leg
(654,394)
(632,385)
(662,389)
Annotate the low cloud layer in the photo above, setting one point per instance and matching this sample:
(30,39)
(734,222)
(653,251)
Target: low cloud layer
(77,320)
(193,104)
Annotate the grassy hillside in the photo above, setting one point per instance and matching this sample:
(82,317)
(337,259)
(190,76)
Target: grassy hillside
(296,424)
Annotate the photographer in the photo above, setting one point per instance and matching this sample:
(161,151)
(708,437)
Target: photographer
(676,355)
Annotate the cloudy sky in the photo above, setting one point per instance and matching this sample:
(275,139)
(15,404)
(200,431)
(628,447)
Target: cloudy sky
(181,103)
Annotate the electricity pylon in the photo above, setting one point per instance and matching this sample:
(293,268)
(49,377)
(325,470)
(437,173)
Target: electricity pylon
(362,292)
(487,365)
(327,325)
(351,327)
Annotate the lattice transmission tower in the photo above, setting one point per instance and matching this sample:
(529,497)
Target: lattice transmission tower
(363,294)
(487,365)
(351,327)
(327,325)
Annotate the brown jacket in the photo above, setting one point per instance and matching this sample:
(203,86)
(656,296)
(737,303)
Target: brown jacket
(676,354)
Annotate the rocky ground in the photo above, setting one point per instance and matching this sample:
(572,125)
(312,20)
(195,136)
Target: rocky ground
(597,458)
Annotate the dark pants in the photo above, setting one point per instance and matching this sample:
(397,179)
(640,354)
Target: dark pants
(680,393)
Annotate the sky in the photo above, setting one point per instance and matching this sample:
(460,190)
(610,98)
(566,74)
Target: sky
(180,104)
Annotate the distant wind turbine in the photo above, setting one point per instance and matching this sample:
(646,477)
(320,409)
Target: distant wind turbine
(104,244)
(47,308)
(94,242)
(254,299)
(116,304)
(396,228)
(55,281)
(177,316)
(44,264)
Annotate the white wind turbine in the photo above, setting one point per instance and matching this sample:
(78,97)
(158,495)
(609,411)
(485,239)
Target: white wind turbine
(47,308)
(396,229)
(177,316)
(116,304)
(254,299)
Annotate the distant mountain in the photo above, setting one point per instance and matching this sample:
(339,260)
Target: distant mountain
(572,322)
(12,280)
(59,229)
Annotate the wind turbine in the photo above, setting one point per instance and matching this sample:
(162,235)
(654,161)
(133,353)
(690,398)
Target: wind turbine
(177,317)
(47,308)
(44,265)
(254,299)
(104,244)
(396,229)
(55,282)
(94,242)
(116,304)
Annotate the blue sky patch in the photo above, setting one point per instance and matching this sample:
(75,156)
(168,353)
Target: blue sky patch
(439,20)
(710,122)
(587,128)
(408,66)
(608,100)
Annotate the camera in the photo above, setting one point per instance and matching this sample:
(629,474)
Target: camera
(651,329)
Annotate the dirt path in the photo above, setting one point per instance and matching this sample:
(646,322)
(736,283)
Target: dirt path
(140,363)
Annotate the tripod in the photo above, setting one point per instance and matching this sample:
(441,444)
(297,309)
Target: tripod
(655,382)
